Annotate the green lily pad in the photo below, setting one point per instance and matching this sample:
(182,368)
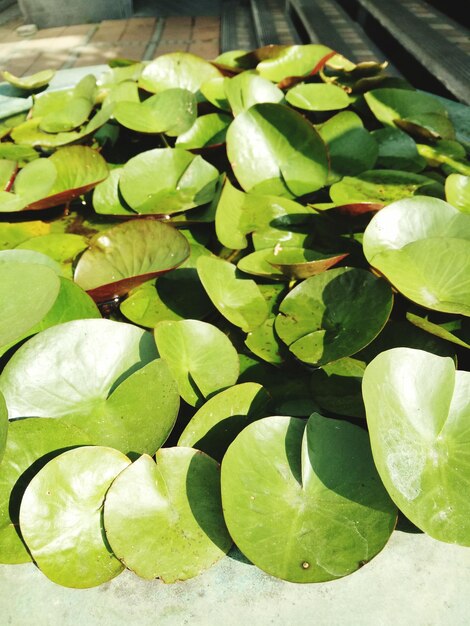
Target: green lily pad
(72,303)
(334,314)
(177,69)
(458,192)
(271,219)
(390,104)
(173,296)
(21,154)
(31,443)
(117,392)
(62,247)
(287,61)
(208,130)
(164,519)
(417,409)
(14,233)
(127,255)
(27,292)
(213,91)
(397,150)
(64,531)
(216,424)
(31,82)
(106,197)
(185,181)
(449,154)
(172,112)
(29,256)
(200,357)
(459,115)
(3,426)
(428,257)
(274,150)
(303,501)
(247,89)
(430,126)
(383,186)
(352,149)
(64,176)
(436,329)
(318,97)
(8,169)
(337,387)
(238,299)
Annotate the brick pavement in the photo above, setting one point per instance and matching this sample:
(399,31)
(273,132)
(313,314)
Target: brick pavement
(92,44)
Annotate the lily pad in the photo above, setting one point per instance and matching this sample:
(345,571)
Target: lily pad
(62,247)
(247,89)
(271,219)
(428,257)
(31,443)
(64,531)
(128,255)
(458,192)
(389,104)
(128,401)
(106,197)
(172,112)
(318,97)
(437,330)
(334,314)
(31,82)
(274,150)
(3,426)
(72,303)
(397,150)
(287,61)
(208,130)
(337,387)
(164,519)
(27,292)
(352,149)
(417,408)
(383,186)
(200,357)
(184,181)
(303,501)
(177,69)
(216,424)
(238,299)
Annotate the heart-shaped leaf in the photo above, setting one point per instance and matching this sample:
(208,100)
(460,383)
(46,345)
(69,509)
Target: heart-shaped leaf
(417,408)
(173,296)
(390,104)
(200,357)
(397,150)
(216,424)
(428,257)
(130,401)
(27,292)
(352,149)
(383,186)
(318,97)
(164,519)
(31,82)
(238,299)
(184,181)
(247,89)
(272,220)
(127,255)
(334,314)
(458,192)
(274,150)
(286,61)
(305,502)
(177,69)
(208,130)
(3,426)
(172,112)
(31,443)
(64,532)
(106,197)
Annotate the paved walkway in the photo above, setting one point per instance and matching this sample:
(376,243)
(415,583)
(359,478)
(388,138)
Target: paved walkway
(91,44)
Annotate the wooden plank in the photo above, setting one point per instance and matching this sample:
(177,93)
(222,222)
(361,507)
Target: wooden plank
(438,45)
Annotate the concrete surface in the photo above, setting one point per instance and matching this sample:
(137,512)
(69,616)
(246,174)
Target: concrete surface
(414,581)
